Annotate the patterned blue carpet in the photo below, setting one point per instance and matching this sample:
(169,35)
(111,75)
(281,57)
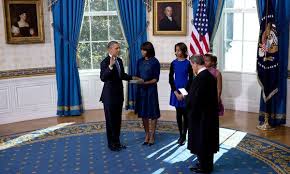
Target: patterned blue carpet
(70,148)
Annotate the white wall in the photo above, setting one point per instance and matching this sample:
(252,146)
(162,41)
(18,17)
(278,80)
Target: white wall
(241,92)
(27,55)
(27,98)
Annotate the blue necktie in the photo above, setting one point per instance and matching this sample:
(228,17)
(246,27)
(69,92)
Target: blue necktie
(118,68)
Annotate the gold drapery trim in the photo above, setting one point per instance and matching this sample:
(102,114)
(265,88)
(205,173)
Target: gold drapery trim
(266,98)
(273,115)
(20,73)
(69,108)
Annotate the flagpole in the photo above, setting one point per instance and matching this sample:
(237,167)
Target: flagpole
(266,126)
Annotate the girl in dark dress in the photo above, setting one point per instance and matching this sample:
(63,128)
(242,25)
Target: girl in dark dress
(180,76)
(147,104)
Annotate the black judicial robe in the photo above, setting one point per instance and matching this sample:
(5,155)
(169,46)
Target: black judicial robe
(203,121)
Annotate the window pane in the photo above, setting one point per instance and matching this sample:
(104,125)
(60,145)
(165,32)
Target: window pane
(112,6)
(100,28)
(234,26)
(249,56)
(87,6)
(250,4)
(234,3)
(115,28)
(85,30)
(84,56)
(251,27)
(98,5)
(99,53)
(233,55)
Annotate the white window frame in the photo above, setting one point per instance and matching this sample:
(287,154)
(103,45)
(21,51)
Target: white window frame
(220,38)
(91,15)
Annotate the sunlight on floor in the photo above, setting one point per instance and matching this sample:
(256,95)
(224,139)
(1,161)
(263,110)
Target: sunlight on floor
(31,135)
(228,139)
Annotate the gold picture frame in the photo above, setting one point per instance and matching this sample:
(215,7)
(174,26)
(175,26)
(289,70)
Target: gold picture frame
(169,17)
(23,21)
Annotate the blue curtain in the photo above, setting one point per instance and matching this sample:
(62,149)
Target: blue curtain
(276,107)
(215,8)
(214,11)
(67,19)
(133,18)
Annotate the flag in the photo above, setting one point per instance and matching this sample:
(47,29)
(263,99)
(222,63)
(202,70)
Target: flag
(199,41)
(267,54)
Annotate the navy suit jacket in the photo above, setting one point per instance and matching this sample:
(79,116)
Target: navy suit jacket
(113,92)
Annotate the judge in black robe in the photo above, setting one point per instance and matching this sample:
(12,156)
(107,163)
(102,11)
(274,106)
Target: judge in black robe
(203,121)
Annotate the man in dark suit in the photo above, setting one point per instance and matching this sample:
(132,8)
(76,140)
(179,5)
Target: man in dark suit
(168,23)
(203,121)
(112,74)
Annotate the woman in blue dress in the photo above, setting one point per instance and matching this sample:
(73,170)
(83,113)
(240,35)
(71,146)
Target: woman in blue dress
(147,104)
(180,76)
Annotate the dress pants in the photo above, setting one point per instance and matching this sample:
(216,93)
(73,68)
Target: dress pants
(205,161)
(113,114)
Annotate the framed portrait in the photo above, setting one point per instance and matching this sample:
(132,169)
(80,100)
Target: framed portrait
(23,21)
(169,17)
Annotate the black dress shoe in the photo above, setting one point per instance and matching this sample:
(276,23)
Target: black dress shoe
(114,148)
(192,168)
(178,141)
(145,143)
(199,170)
(121,146)
(182,142)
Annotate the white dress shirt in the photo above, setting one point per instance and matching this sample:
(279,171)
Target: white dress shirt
(201,69)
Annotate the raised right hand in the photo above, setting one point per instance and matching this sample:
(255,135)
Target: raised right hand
(112,61)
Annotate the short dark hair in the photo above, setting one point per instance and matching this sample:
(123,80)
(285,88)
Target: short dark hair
(183,48)
(198,59)
(212,58)
(148,47)
(111,43)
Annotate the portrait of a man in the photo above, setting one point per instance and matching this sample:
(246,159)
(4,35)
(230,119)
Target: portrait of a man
(168,22)
(169,17)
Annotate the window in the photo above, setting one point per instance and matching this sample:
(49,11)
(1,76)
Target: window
(100,25)
(240,35)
